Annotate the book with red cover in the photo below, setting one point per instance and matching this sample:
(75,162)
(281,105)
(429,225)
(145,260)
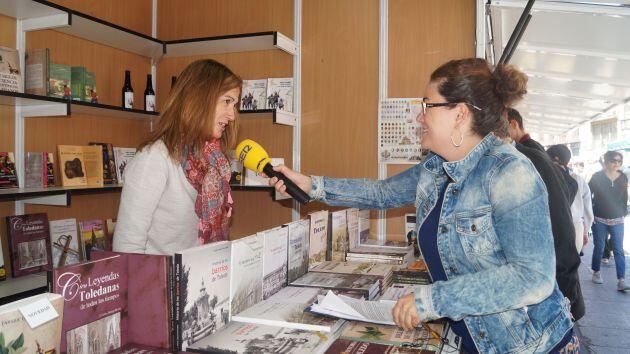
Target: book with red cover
(148,298)
(29,243)
(95,313)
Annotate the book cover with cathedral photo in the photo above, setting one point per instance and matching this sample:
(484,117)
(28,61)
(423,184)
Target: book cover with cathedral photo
(95,304)
(274,260)
(247,273)
(254,338)
(29,243)
(202,292)
(93,236)
(318,239)
(338,227)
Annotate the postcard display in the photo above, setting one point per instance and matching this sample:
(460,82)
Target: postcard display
(398,131)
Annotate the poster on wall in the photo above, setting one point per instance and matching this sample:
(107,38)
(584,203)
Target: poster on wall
(398,131)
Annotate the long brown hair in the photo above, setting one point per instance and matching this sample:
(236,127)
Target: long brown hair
(187,118)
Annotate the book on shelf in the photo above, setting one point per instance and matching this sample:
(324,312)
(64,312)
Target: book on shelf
(38,169)
(93,236)
(64,238)
(396,291)
(245,338)
(236,167)
(82,84)
(17,334)
(147,298)
(29,243)
(338,227)
(297,260)
(411,233)
(254,95)
(364,225)
(37,67)
(381,255)
(368,285)
(274,260)
(109,164)
(280,94)
(59,81)
(122,156)
(110,228)
(394,244)
(3,270)
(133,348)
(8,174)
(247,273)
(201,301)
(318,237)
(347,346)
(81,166)
(416,273)
(10,77)
(427,337)
(286,308)
(95,304)
(352,220)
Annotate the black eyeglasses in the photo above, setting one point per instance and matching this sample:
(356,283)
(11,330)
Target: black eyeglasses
(617,161)
(426,105)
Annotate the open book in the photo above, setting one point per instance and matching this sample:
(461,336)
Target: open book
(352,309)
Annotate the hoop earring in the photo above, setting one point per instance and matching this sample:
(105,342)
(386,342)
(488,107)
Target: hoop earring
(461,139)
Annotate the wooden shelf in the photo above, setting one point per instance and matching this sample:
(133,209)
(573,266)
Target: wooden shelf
(245,42)
(279,117)
(53,195)
(14,286)
(109,110)
(38,106)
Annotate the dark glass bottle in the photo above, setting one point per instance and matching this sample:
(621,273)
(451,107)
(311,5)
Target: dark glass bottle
(173,81)
(127,91)
(149,96)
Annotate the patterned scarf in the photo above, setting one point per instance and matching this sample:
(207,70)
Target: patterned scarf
(211,178)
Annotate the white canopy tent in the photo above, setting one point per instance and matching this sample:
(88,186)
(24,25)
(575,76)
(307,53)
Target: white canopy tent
(576,55)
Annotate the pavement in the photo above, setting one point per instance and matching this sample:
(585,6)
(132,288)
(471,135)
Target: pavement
(605,328)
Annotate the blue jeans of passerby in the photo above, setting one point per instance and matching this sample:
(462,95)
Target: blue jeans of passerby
(600,232)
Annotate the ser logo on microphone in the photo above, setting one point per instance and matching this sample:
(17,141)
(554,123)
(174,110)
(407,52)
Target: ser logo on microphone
(244,152)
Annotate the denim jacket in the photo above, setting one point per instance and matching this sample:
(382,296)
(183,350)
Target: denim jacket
(494,239)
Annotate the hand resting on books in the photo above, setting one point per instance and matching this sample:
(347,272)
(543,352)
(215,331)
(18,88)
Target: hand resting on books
(405,313)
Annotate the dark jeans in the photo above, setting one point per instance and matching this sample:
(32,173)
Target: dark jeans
(600,232)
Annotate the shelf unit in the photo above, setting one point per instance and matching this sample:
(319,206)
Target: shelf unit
(35,15)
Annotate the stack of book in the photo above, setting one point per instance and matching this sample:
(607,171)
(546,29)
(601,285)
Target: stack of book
(382,271)
(369,285)
(381,255)
(416,273)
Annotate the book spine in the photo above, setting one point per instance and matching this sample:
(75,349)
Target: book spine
(170,281)
(177,310)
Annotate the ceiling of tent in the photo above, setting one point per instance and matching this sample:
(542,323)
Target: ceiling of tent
(576,55)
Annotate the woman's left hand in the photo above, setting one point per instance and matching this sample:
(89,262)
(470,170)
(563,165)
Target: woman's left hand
(405,313)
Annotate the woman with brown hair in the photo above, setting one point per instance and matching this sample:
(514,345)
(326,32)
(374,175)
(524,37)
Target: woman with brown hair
(176,192)
(483,218)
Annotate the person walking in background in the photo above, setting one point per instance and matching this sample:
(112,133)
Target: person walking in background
(609,188)
(518,133)
(581,208)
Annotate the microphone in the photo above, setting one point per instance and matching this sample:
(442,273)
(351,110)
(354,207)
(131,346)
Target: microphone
(255,158)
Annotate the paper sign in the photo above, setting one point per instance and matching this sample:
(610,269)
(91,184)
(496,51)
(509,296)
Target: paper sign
(38,312)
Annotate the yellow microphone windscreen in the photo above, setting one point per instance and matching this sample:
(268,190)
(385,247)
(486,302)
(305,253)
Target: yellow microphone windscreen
(252,155)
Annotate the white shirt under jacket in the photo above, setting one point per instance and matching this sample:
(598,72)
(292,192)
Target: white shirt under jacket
(157,205)
(582,207)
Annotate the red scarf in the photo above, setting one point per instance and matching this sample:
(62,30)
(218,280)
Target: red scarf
(210,176)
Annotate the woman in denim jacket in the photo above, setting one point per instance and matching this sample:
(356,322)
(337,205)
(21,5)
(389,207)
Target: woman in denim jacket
(485,231)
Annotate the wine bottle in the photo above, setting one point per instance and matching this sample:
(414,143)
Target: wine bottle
(127,91)
(149,96)
(173,81)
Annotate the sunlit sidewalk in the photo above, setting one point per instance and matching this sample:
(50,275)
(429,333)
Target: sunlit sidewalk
(606,326)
